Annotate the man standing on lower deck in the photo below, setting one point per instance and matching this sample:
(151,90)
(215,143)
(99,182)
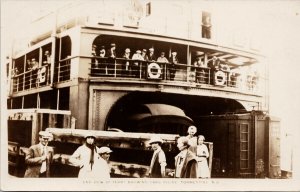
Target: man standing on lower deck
(39,157)
(185,161)
(158,162)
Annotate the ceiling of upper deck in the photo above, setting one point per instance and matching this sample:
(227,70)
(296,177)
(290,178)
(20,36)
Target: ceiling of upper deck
(234,58)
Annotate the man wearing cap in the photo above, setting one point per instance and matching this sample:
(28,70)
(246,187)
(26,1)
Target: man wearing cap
(102,61)
(214,65)
(47,58)
(85,157)
(39,157)
(34,64)
(162,58)
(137,58)
(111,54)
(185,161)
(126,67)
(158,163)
(172,69)
(151,55)
(102,163)
(144,54)
(94,61)
(200,72)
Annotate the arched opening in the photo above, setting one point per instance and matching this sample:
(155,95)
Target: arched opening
(131,112)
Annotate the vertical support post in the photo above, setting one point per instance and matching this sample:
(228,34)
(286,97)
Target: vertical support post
(188,62)
(115,75)
(53,36)
(57,105)
(22,102)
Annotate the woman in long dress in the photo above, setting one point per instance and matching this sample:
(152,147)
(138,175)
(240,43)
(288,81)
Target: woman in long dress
(86,157)
(202,155)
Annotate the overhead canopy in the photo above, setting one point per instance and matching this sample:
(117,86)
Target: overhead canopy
(163,109)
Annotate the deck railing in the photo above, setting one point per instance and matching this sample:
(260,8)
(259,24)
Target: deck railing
(31,79)
(40,77)
(138,70)
(153,70)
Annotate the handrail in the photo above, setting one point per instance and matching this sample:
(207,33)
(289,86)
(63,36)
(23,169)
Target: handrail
(166,71)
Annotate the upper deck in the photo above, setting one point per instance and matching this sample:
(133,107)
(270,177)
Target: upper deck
(72,59)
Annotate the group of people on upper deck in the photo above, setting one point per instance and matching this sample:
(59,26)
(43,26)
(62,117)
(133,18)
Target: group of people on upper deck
(103,62)
(131,62)
(93,162)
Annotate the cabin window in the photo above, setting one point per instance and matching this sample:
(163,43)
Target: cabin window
(244,146)
(148,9)
(206,25)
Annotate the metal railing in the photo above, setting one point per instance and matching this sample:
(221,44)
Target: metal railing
(31,79)
(63,70)
(152,70)
(40,77)
(141,70)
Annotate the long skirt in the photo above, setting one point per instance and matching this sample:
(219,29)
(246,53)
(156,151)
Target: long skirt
(203,170)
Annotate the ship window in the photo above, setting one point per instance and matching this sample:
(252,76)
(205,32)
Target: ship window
(244,146)
(148,9)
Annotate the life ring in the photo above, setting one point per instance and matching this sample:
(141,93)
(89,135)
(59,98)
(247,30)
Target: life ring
(154,71)
(42,74)
(220,78)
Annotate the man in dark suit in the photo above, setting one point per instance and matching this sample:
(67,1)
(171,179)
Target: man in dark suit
(39,157)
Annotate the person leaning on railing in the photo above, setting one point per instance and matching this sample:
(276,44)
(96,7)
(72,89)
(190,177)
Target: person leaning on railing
(102,61)
(137,58)
(126,66)
(214,65)
(200,72)
(111,59)
(173,61)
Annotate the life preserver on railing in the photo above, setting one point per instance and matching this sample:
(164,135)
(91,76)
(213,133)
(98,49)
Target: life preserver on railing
(220,78)
(154,71)
(42,74)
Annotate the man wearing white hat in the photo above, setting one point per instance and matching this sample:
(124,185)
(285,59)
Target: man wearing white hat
(85,157)
(158,163)
(151,55)
(137,58)
(39,157)
(104,169)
